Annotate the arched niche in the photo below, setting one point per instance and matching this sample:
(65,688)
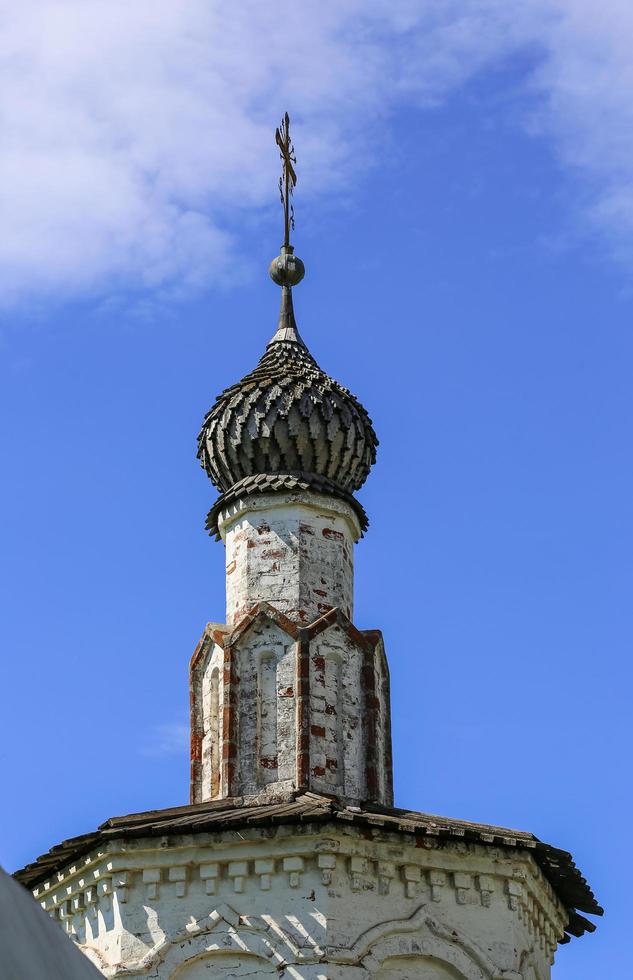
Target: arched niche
(267,722)
(416,968)
(213,965)
(426,947)
(211,755)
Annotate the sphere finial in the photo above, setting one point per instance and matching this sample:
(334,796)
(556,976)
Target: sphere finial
(287,269)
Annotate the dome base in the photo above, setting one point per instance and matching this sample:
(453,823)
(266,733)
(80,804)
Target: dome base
(270,483)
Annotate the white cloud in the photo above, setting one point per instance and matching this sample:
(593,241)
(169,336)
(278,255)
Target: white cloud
(131,133)
(586,82)
(170,738)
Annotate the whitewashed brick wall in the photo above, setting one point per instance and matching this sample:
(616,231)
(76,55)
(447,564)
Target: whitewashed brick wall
(307,903)
(294,551)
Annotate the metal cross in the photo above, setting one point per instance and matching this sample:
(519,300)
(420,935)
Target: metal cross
(288,179)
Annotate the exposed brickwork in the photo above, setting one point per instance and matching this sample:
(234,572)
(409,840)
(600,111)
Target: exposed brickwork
(324,731)
(212,640)
(195,713)
(303,713)
(230,706)
(301,702)
(295,555)
(370,717)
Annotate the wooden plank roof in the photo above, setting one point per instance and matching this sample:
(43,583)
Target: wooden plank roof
(557,865)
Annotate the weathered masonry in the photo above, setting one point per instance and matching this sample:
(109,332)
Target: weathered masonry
(290,859)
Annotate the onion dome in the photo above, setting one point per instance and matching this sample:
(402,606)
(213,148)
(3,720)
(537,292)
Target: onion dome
(287,419)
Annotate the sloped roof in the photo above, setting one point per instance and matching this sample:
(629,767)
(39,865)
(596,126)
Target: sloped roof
(557,865)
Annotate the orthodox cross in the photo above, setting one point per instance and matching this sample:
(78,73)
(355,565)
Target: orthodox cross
(288,179)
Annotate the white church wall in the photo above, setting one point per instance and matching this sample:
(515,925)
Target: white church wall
(296,896)
(234,965)
(415,968)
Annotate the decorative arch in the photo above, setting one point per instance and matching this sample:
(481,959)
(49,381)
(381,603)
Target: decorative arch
(420,941)
(403,967)
(209,941)
(235,963)
(423,937)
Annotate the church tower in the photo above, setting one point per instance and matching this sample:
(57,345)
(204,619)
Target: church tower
(290,859)
(288,695)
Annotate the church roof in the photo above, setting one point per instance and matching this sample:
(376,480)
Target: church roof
(557,866)
(288,417)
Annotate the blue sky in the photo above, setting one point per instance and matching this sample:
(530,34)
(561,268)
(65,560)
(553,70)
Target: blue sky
(465,213)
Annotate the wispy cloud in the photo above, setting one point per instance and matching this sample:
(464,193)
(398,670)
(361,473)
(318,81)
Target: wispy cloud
(131,132)
(169,738)
(586,84)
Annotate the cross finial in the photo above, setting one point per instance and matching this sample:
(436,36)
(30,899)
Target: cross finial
(288,179)
(287,269)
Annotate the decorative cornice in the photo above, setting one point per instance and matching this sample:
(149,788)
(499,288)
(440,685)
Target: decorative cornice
(432,877)
(272,492)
